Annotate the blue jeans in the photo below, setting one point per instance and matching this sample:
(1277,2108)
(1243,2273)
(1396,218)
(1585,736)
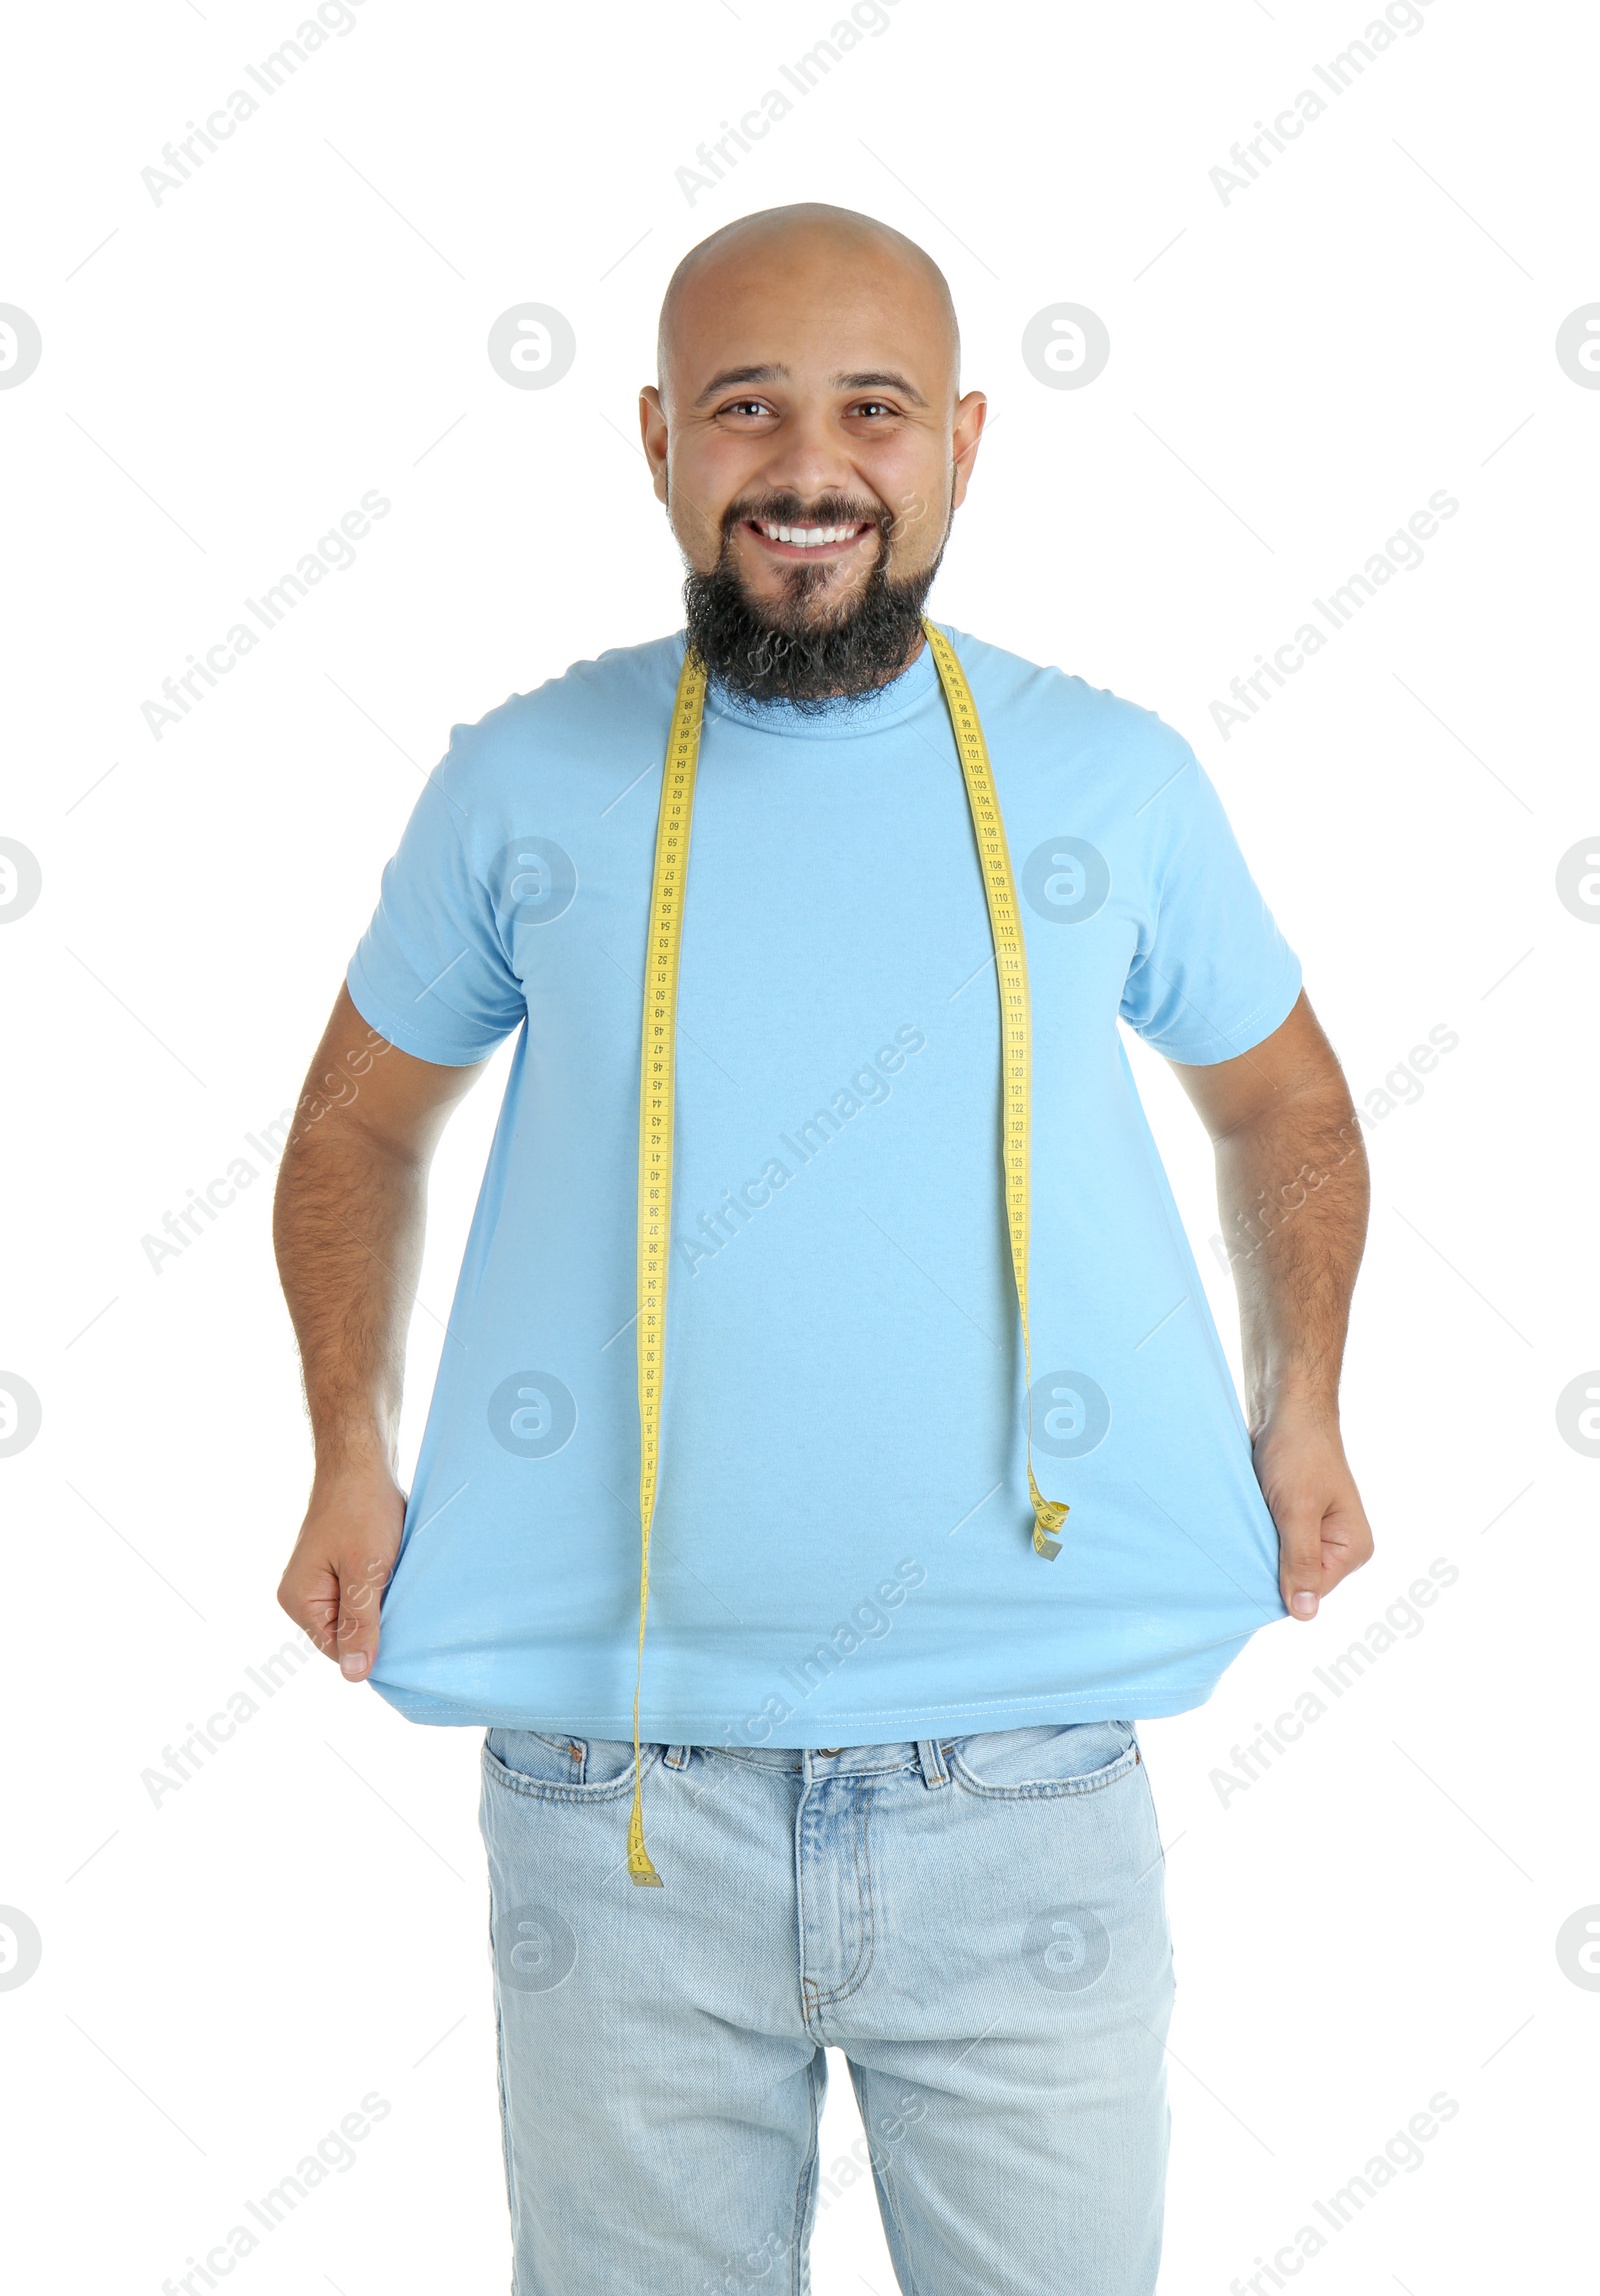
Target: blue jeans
(977,1924)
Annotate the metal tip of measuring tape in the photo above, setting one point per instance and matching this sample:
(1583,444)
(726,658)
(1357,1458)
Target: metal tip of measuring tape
(640,1869)
(1048,1514)
(1048,1517)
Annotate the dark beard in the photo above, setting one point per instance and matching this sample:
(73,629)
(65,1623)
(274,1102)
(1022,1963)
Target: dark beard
(779,653)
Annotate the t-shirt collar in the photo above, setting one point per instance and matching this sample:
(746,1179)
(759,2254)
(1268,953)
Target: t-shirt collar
(845,718)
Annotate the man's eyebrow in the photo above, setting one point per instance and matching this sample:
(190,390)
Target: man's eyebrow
(731,375)
(880,382)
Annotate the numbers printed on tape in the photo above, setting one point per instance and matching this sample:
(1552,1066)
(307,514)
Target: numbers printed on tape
(1016,1028)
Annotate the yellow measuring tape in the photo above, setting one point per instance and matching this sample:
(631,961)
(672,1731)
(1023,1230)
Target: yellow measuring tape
(657,1077)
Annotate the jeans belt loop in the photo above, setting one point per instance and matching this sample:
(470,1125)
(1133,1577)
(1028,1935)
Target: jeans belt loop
(931,1757)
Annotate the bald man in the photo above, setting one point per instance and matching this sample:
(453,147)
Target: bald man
(741,1519)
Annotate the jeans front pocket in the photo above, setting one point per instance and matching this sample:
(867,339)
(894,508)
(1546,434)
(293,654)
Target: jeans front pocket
(554,1768)
(1059,1758)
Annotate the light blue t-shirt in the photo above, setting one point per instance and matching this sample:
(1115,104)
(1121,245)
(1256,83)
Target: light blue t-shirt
(842,1550)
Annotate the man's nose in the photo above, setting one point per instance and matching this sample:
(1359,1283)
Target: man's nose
(808,459)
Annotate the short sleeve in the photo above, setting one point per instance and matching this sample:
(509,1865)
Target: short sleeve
(1212,974)
(431,972)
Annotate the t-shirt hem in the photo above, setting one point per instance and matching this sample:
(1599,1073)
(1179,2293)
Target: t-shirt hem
(1228,1044)
(1126,1701)
(461,1050)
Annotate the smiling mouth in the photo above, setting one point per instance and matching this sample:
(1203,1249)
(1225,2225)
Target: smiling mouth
(808,541)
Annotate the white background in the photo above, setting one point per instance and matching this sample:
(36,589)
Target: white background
(1292,374)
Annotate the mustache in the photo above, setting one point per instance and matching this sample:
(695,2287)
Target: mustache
(784,508)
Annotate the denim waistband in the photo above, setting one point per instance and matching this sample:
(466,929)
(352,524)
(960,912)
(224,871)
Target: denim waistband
(924,1754)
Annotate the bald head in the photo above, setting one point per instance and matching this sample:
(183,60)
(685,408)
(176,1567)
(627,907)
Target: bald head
(808,439)
(831,252)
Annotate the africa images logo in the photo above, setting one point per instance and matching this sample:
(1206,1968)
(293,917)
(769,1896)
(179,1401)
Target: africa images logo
(531,346)
(532,1414)
(1071,1414)
(21,346)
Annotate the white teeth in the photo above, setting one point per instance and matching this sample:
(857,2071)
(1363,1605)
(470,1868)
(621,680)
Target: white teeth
(807,537)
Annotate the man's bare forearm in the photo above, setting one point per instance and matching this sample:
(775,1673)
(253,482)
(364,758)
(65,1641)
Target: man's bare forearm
(348,1227)
(1292,1188)
(1292,1191)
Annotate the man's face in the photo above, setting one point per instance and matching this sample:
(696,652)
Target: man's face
(810,448)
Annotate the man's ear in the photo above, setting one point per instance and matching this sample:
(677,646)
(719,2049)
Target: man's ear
(653,435)
(964,436)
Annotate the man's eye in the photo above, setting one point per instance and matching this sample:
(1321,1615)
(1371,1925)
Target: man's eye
(746,407)
(873,407)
